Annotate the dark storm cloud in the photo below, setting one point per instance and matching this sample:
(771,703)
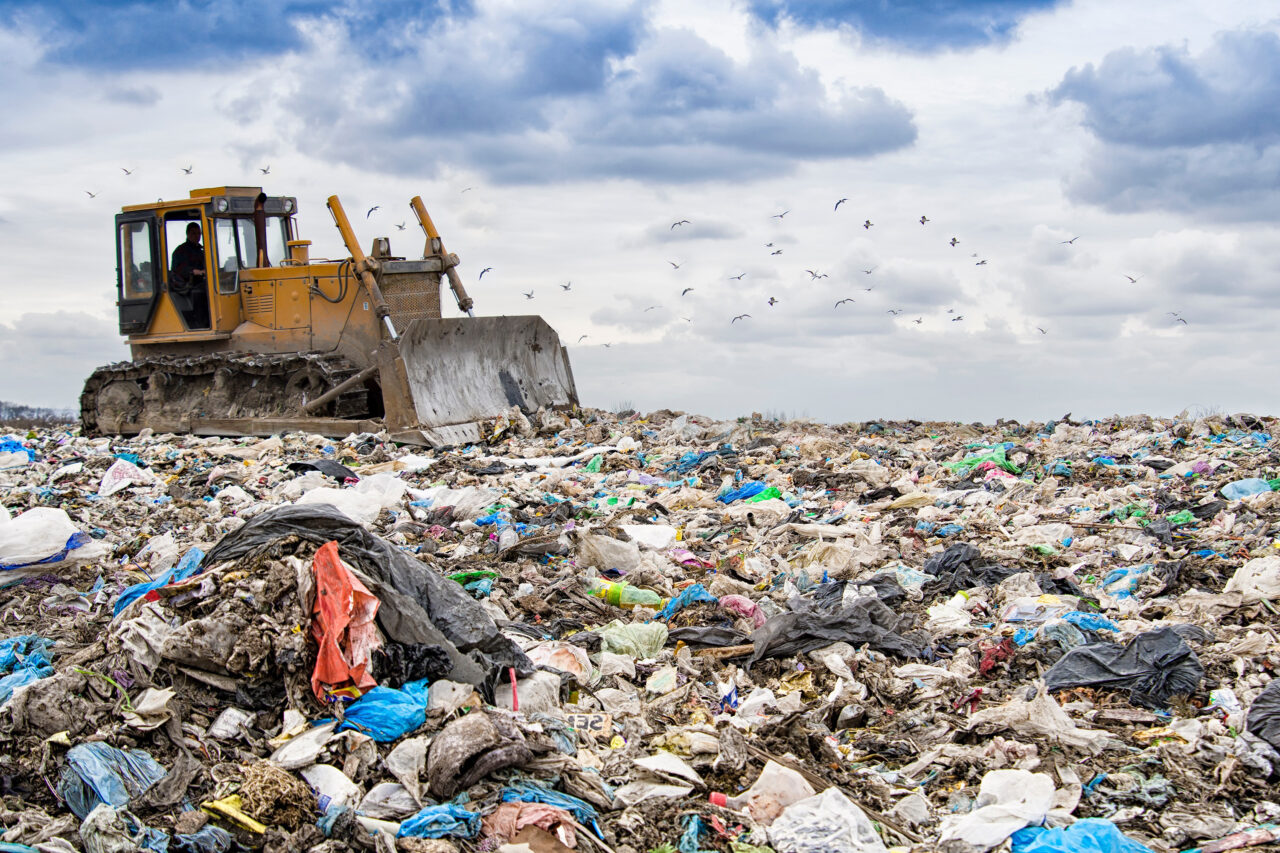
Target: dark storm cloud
(1182,132)
(920,25)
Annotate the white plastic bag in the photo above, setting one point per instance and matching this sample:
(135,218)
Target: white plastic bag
(827,823)
(1008,800)
(121,475)
(40,534)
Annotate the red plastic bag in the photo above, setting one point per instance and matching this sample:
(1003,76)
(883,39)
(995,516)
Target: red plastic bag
(343,626)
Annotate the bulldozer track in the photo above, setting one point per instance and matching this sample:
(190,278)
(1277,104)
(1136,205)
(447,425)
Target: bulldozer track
(164,392)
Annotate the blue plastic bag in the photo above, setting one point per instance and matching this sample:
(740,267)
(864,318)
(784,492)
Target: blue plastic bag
(187,566)
(1244,488)
(1091,835)
(688,595)
(747,490)
(98,773)
(10,445)
(1090,621)
(440,822)
(386,714)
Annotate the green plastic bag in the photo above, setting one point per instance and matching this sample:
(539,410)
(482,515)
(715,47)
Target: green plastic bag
(1183,517)
(768,494)
(995,456)
(594,465)
(639,640)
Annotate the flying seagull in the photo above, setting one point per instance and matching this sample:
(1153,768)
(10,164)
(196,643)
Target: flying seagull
(873,269)
(954,241)
(91,195)
(187,170)
(651,308)
(924,219)
(126,171)
(1182,321)
(1041,331)
(582,338)
(372,209)
(736,277)
(681,222)
(1132,280)
(687,319)
(981,263)
(739,317)
(768,245)
(776,252)
(686,290)
(868,224)
(529,295)
(957,318)
(1069,242)
(780,215)
(482,272)
(566,285)
(266,171)
(894,311)
(918,320)
(840,202)
(815,275)
(674,264)
(400,225)
(466,190)
(841,302)
(772,301)
(606,346)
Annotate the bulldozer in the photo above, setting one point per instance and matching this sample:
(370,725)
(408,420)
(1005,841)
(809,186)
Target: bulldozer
(249,335)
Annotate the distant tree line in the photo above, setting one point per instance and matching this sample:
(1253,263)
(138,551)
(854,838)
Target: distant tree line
(16,414)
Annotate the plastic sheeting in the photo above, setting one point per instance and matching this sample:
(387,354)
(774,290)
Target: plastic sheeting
(1154,667)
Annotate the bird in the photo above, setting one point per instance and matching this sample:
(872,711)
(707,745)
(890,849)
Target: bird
(894,311)
(873,269)
(266,171)
(1172,313)
(126,171)
(772,301)
(582,338)
(923,219)
(187,170)
(686,290)
(739,317)
(651,308)
(687,319)
(736,277)
(1182,321)
(954,242)
(868,224)
(815,275)
(840,202)
(951,310)
(1041,331)
(606,346)
(529,295)
(918,320)
(776,252)
(566,286)
(868,289)
(400,226)
(372,209)
(981,263)
(91,195)
(780,215)
(1132,280)
(681,222)
(482,272)
(674,264)
(466,190)
(768,245)
(1069,242)
(843,301)
(957,318)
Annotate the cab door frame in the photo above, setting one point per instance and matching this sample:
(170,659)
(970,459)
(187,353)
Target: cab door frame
(135,314)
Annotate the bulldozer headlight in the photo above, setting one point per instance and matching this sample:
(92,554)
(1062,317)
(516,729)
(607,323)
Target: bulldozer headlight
(288,205)
(220,205)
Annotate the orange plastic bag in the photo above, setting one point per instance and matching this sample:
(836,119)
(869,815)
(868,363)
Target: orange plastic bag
(343,626)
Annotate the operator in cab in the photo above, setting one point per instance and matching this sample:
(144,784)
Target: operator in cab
(187,280)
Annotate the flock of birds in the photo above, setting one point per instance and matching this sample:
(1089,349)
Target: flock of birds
(814,275)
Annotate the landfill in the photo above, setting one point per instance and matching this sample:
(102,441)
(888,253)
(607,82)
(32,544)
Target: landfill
(645,633)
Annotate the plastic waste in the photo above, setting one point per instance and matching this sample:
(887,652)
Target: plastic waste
(343,626)
(531,792)
(813,623)
(1263,719)
(1238,489)
(121,475)
(333,788)
(1091,835)
(1008,800)
(189,565)
(386,714)
(687,596)
(1257,580)
(637,640)
(38,538)
(827,823)
(623,594)
(97,773)
(1154,667)
(776,788)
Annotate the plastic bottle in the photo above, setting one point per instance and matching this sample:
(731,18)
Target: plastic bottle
(623,594)
(959,600)
(777,788)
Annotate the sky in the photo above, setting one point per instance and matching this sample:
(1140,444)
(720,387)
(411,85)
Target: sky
(557,142)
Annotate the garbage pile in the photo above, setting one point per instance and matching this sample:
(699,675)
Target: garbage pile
(630,633)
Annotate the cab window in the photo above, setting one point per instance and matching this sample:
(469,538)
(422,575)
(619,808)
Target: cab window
(137,266)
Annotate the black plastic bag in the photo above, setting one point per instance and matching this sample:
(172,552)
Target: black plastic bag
(328,467)
(1154,667)
(962,566)
(418,604)
(395,664)
(813,623)
(1263,719)
(707,637)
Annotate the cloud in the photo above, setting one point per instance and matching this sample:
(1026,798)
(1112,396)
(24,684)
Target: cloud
(920,25)
(1180,132)
(51,354)
(585,91)
(141,96)
(158,34)
(697,229)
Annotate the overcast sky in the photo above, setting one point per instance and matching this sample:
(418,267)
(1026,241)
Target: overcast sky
(558,141)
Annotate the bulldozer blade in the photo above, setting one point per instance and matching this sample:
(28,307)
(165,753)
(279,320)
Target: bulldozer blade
(463,371)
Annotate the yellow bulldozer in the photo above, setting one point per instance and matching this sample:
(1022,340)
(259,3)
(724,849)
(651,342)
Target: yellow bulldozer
(246,334)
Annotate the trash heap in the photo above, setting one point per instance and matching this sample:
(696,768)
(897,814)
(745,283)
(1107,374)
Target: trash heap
(630,633)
